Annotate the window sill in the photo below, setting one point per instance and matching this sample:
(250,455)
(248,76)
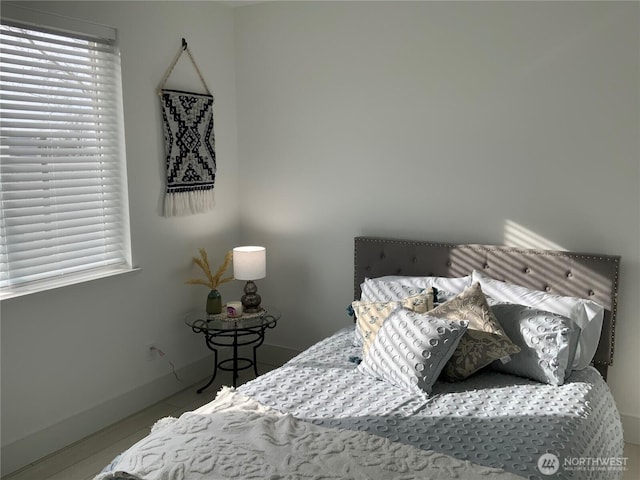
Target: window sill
(45,285)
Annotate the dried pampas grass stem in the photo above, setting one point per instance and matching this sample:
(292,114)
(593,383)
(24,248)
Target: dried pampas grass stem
(212,280)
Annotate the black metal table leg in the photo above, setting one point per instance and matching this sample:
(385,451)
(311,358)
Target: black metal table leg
(255,360)
(234,333)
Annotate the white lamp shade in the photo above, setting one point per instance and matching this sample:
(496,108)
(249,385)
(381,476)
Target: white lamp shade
(249,263)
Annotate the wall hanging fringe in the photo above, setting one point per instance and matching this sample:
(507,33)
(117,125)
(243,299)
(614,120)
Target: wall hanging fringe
(189,139)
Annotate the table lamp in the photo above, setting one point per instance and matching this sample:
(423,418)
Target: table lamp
(250,263)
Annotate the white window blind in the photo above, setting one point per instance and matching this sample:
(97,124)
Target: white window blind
(63,208)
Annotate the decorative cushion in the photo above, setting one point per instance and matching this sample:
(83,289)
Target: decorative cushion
(587,314)
(386,292)
(384,288)
(485,340)
(371,315)
(441,296)
(547,341)
(382,291)
(411,349)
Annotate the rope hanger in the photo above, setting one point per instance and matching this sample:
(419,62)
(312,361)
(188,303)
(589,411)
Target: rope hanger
(183,48)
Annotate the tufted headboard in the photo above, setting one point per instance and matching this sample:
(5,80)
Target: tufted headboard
(589,276)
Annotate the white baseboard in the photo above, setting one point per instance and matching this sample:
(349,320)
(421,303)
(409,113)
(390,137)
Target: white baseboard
(631,428)
(33,447)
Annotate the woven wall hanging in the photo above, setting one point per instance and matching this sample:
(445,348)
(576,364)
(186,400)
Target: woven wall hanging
(189,140)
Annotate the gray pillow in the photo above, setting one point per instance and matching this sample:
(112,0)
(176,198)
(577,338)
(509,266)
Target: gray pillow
(411,349)
(547,342)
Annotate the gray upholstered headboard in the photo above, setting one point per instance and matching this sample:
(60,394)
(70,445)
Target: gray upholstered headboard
(572,274)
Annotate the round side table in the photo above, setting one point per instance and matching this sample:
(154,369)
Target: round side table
(221,331)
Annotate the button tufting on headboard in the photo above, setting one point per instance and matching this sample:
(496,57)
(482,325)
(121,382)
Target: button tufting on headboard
(593,277)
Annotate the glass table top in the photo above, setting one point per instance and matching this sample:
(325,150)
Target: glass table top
(220,321)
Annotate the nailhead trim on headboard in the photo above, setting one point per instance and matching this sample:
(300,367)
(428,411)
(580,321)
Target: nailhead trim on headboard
(581,275)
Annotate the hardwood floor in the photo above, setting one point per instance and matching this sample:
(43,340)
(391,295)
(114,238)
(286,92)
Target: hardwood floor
(86,458)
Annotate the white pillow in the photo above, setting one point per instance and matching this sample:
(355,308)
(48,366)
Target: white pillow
(587,314)
(411,349)
(381,288)
(383,291)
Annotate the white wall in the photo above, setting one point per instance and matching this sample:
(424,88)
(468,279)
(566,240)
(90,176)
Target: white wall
(74,359)
(430,120)
(444,121)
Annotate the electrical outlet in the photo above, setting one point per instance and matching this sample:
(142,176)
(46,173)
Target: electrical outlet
(152,351)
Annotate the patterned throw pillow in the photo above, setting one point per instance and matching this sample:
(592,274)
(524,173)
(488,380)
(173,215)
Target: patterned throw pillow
(411,349)
(485,340)
(384,291)
(548,342)
(371,315)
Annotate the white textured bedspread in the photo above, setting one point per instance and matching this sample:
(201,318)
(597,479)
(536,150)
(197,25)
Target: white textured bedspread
(492,419)
(236,437)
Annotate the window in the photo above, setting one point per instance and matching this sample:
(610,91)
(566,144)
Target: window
(63,204)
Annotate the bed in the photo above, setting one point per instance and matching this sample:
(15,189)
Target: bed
(352,406)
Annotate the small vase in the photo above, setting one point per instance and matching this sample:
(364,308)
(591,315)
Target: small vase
(214,302)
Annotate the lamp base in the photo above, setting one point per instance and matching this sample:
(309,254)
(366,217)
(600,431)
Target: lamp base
(251,300)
